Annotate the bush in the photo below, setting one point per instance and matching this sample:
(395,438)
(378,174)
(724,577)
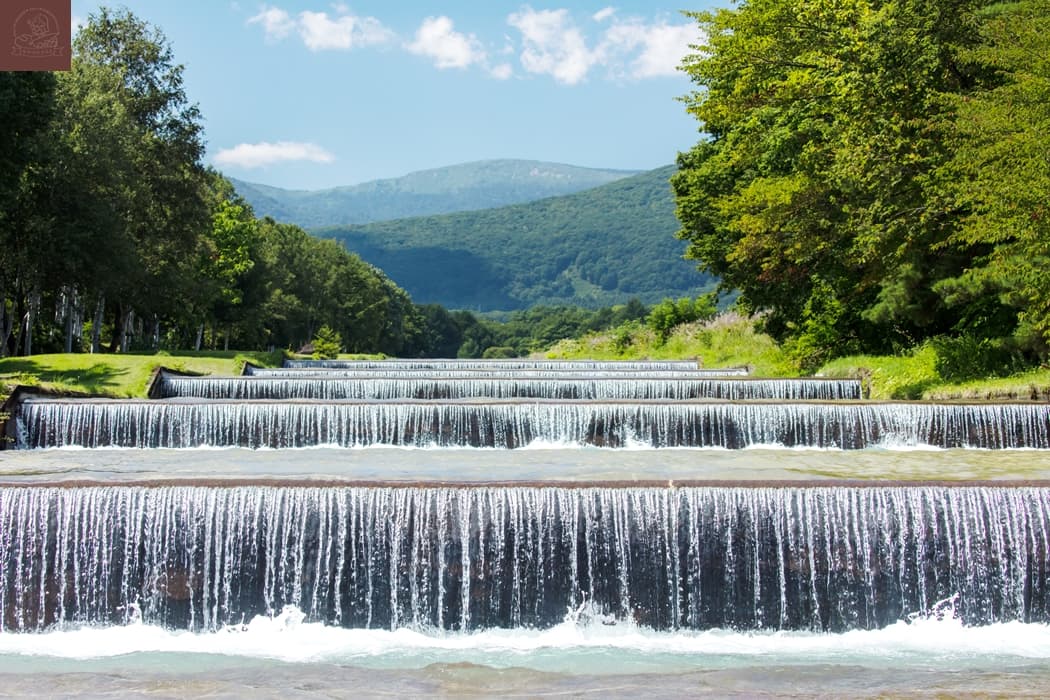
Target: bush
(498,353)
(967,357)
(326,344)
(670,313)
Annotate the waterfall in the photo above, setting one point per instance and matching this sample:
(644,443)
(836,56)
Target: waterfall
(625,365)
(802,558)
(394,371)
(504,386)
(514,423)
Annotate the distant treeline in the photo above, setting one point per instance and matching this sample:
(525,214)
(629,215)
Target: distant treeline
(876,173)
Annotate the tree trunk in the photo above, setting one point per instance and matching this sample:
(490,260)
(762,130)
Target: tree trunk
(226,342)
(30,319)
(69,305)
(126,326)
(156,332)
(7,324)
(96,326)
(200,337)
(118,328)
(18,312)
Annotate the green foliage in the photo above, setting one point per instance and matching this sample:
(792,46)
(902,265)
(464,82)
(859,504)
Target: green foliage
(904,376)
(966,357)
(498,352)
(663,317)
(599,247)
(109,223)
(327,344)
(466,187)
(814,192)
(999,178)
(728,340)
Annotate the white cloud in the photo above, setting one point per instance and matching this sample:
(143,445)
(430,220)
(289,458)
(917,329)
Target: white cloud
(658,48)
(257,155)
(552,45)
(320,32)
(502,72)
(437,40)
(276,23)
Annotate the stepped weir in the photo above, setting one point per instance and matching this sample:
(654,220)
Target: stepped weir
(206,553)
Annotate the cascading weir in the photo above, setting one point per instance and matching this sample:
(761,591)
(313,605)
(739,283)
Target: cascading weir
(794,558)
(437,386)
(516,365)
(181,423)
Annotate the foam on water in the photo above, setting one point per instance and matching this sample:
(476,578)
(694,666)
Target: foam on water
(581,643)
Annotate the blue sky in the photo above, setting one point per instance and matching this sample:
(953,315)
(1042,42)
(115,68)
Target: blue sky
(306,95)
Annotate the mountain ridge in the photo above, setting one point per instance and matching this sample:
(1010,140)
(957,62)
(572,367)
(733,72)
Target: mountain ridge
(469,186)
(597,247)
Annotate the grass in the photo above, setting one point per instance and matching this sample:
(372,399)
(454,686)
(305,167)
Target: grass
(889,376)
(914,376)
(124,375)
(730,340)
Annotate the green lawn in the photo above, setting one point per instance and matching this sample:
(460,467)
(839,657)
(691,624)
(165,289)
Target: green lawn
(117,375)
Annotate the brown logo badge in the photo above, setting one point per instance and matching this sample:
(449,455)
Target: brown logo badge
(34,34)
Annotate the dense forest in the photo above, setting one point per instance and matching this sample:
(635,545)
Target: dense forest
(595,248)
(875,173)
(478,185)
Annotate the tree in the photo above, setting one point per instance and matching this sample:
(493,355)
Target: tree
(27,107)
(327,344)
(999,178)
(809,193)
(156,176)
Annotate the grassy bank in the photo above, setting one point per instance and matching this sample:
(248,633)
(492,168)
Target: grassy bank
(731,341)
(914,376)
(117,375)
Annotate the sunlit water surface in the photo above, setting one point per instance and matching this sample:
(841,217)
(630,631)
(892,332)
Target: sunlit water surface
(284,656)
(538,462)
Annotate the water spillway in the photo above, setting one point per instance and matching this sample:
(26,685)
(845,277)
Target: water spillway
(436,386)
(180,423)
(394,371)
(517,365)
(463,560)
(791,558)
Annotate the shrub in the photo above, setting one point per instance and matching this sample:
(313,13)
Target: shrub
(498,353)
(326,344)
(967,357)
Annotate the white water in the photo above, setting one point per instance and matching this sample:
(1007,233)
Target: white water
(581,644)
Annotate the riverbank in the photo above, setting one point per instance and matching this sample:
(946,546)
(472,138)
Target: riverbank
(731,340)
(117,375)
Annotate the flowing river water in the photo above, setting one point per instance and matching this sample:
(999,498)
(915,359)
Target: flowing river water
(905,565)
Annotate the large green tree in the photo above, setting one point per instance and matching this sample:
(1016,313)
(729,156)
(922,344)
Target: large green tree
(809,193)
(155,182)
(999,177)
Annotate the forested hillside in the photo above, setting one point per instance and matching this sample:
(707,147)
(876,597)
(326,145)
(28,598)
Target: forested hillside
(593,248)
(469,186)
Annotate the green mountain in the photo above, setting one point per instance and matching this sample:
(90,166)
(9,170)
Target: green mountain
(593,248)
(480,185)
